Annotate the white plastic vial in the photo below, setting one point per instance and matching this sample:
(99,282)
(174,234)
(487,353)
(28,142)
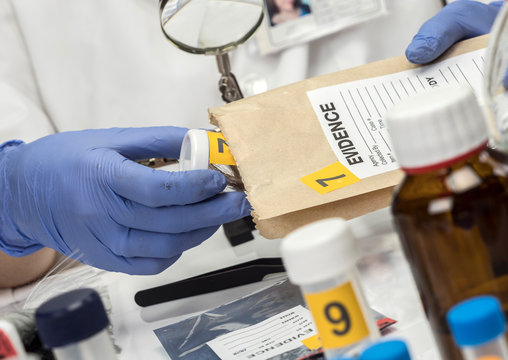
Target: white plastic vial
(320,258)
(195,153)
(201,148)
(74,325)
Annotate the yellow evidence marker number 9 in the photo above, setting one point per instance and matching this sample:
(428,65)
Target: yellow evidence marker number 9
(338,316)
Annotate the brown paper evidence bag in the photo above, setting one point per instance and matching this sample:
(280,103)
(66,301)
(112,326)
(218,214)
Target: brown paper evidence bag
(276,139)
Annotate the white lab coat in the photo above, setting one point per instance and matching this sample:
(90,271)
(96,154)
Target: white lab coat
(70,65)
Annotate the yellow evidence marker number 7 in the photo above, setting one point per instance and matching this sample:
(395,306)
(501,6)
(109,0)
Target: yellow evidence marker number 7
(323,183)
(219,150)
(325,180)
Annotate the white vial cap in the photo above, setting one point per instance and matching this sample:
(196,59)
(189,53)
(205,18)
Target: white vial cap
(195,150)
(319,251)
(436,126)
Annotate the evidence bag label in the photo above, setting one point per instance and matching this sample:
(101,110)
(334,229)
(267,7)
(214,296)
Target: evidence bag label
(338,316)
(274,336)
(219,149)
(351,115)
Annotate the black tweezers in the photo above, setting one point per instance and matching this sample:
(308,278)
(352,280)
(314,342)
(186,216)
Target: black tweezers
(226,278)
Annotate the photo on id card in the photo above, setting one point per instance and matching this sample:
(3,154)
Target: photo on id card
(291,22)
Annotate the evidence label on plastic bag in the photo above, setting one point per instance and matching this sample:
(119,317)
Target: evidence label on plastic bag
(338,316)
(219,150)
(271,337)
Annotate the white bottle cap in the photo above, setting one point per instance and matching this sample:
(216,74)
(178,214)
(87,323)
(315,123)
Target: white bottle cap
(436,127)
(319,251)
(195,150)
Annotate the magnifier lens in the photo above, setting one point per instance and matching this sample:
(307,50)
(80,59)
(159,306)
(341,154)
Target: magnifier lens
(210,26)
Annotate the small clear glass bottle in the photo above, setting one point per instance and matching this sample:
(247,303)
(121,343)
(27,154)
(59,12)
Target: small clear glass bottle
(74,325)
(200,148)
(387,350)
(478,328)
(320,258)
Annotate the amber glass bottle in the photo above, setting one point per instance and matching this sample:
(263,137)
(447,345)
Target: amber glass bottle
(451,209)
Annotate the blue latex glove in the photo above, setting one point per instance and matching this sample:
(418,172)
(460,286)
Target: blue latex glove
(457,21)
(78,193)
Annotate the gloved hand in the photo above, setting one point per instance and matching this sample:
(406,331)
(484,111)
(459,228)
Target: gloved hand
(457,21)
(78,193)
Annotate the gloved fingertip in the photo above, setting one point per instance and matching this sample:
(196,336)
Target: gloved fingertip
(422,50)
(246,207)
(219,180)
(497,4)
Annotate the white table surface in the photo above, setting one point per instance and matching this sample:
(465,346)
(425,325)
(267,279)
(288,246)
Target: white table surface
(384,272)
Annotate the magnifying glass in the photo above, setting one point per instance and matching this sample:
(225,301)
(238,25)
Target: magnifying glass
(212,27)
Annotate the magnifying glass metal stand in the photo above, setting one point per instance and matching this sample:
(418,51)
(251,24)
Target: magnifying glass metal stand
(228,86)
